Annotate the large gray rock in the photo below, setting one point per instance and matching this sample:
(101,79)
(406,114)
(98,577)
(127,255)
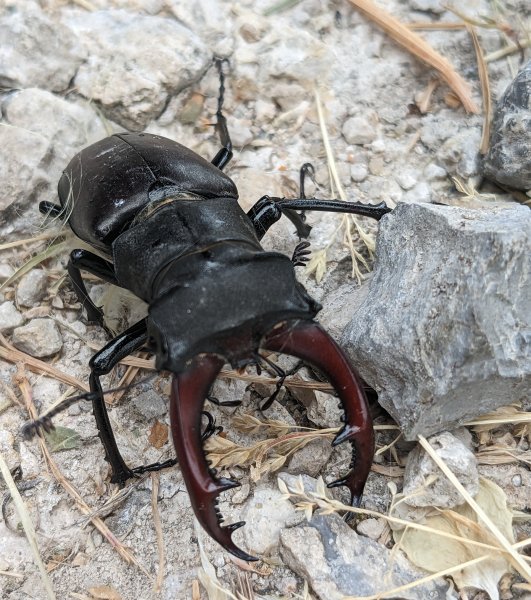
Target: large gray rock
(337,562)
(443,334)
(509,158)
(135,62)
(39,338)
(35,50)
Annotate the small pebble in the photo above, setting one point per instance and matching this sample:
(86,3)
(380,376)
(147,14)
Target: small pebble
(372,528)
(32,288)
(358,130)
(433,171)
(405,180)
(39,338)
(5,272)
(10,318)
(517,480)
(358,173)
(376,165)
(241,494)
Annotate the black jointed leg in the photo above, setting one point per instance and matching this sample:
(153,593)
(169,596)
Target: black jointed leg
(102,363)
(217,402)
(307,170)
(87,261)
(281,377)
(224,155)
(268,210)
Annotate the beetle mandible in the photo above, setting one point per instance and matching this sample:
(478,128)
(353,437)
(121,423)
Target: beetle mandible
(174,234)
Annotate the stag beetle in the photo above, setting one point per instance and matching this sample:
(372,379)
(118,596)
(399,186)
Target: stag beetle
(171,226)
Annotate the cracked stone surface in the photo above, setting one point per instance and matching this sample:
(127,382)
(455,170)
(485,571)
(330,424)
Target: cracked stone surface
(457,347)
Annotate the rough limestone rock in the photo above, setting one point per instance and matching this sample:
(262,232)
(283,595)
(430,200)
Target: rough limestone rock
(443,334)
(36,50)
(39,338)
(425,484)
(22,168)
(509,158)
(337,562)
(135,63)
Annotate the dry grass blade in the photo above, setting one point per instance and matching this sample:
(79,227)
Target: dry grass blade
(517,560)
(38,238)
(207,573)
(290,382)
(52,250)
(420,48)
(28,527)
(155,479)
(12,355)
(366,238)
(506,415)
(307,501)
(436,26)
(501,455)
(24,386)
(507,51)
(485,91)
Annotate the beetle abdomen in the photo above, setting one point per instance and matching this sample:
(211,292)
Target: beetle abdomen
(107,184)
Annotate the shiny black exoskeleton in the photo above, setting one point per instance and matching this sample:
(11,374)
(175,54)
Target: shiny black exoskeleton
(174,234)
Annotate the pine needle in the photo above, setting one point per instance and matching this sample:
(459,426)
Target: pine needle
(485,91)
(417,46)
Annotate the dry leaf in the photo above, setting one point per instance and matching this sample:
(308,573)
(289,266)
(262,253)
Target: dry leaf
(462,521)
(62,438)
(158,435)
(104,592)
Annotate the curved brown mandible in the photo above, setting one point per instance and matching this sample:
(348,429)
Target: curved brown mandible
(308,341)
(189,390)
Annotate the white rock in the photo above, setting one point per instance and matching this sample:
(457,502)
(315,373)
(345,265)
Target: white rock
(39,338)
(135,62)
(426,485)
(32,288)
(9,317)
(266,514)
(21,172)
(36,51)
(358,172)
(359,130)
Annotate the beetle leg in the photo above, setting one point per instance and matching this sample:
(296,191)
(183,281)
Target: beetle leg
(224,155)
(189,390)
(101,364)
(83,259)
(306,340)
(217,402)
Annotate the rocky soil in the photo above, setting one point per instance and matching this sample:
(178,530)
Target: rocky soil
(73,72)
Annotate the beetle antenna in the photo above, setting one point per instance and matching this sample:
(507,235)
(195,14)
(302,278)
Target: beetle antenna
(44,422)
